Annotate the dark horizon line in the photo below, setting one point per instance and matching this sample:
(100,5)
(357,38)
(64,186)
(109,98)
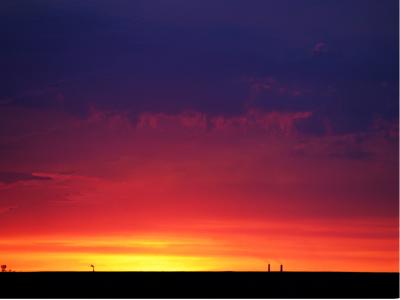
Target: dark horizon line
(226,271)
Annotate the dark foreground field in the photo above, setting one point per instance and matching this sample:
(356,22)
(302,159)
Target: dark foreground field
(199,285)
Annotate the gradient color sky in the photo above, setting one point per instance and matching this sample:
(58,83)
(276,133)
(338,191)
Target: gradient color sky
(199,135)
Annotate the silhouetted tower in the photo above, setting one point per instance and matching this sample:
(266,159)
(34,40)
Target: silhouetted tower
(281,268)
(92,266)
(3,268)
(269,267)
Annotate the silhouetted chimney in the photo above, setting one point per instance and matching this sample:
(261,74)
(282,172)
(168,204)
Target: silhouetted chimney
(269,267)
(281,268)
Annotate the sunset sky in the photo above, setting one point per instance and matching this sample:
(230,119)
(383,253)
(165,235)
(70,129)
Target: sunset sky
(199,135)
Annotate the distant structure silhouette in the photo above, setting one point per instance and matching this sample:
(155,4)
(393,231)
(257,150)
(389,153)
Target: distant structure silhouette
(3,268)
(269,267)
(92,266)
(281,268)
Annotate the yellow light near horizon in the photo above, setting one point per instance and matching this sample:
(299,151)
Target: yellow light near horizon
(215,250)
(127,262)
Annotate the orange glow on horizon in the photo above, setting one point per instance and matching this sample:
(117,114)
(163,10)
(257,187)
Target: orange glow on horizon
(227,250)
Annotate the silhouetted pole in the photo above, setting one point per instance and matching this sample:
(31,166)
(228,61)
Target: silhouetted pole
(92,267)
(269,267)
(281,268)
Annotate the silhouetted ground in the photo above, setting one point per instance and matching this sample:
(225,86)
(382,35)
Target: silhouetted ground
(199,285)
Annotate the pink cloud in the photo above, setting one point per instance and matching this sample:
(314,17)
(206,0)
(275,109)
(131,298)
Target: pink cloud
(270,87)
(186,119)
(319,48)
(253,119)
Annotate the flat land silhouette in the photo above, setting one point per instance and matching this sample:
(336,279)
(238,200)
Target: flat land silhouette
(199,285)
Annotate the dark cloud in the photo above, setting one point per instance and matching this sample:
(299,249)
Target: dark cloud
(151,56)
(11,177)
